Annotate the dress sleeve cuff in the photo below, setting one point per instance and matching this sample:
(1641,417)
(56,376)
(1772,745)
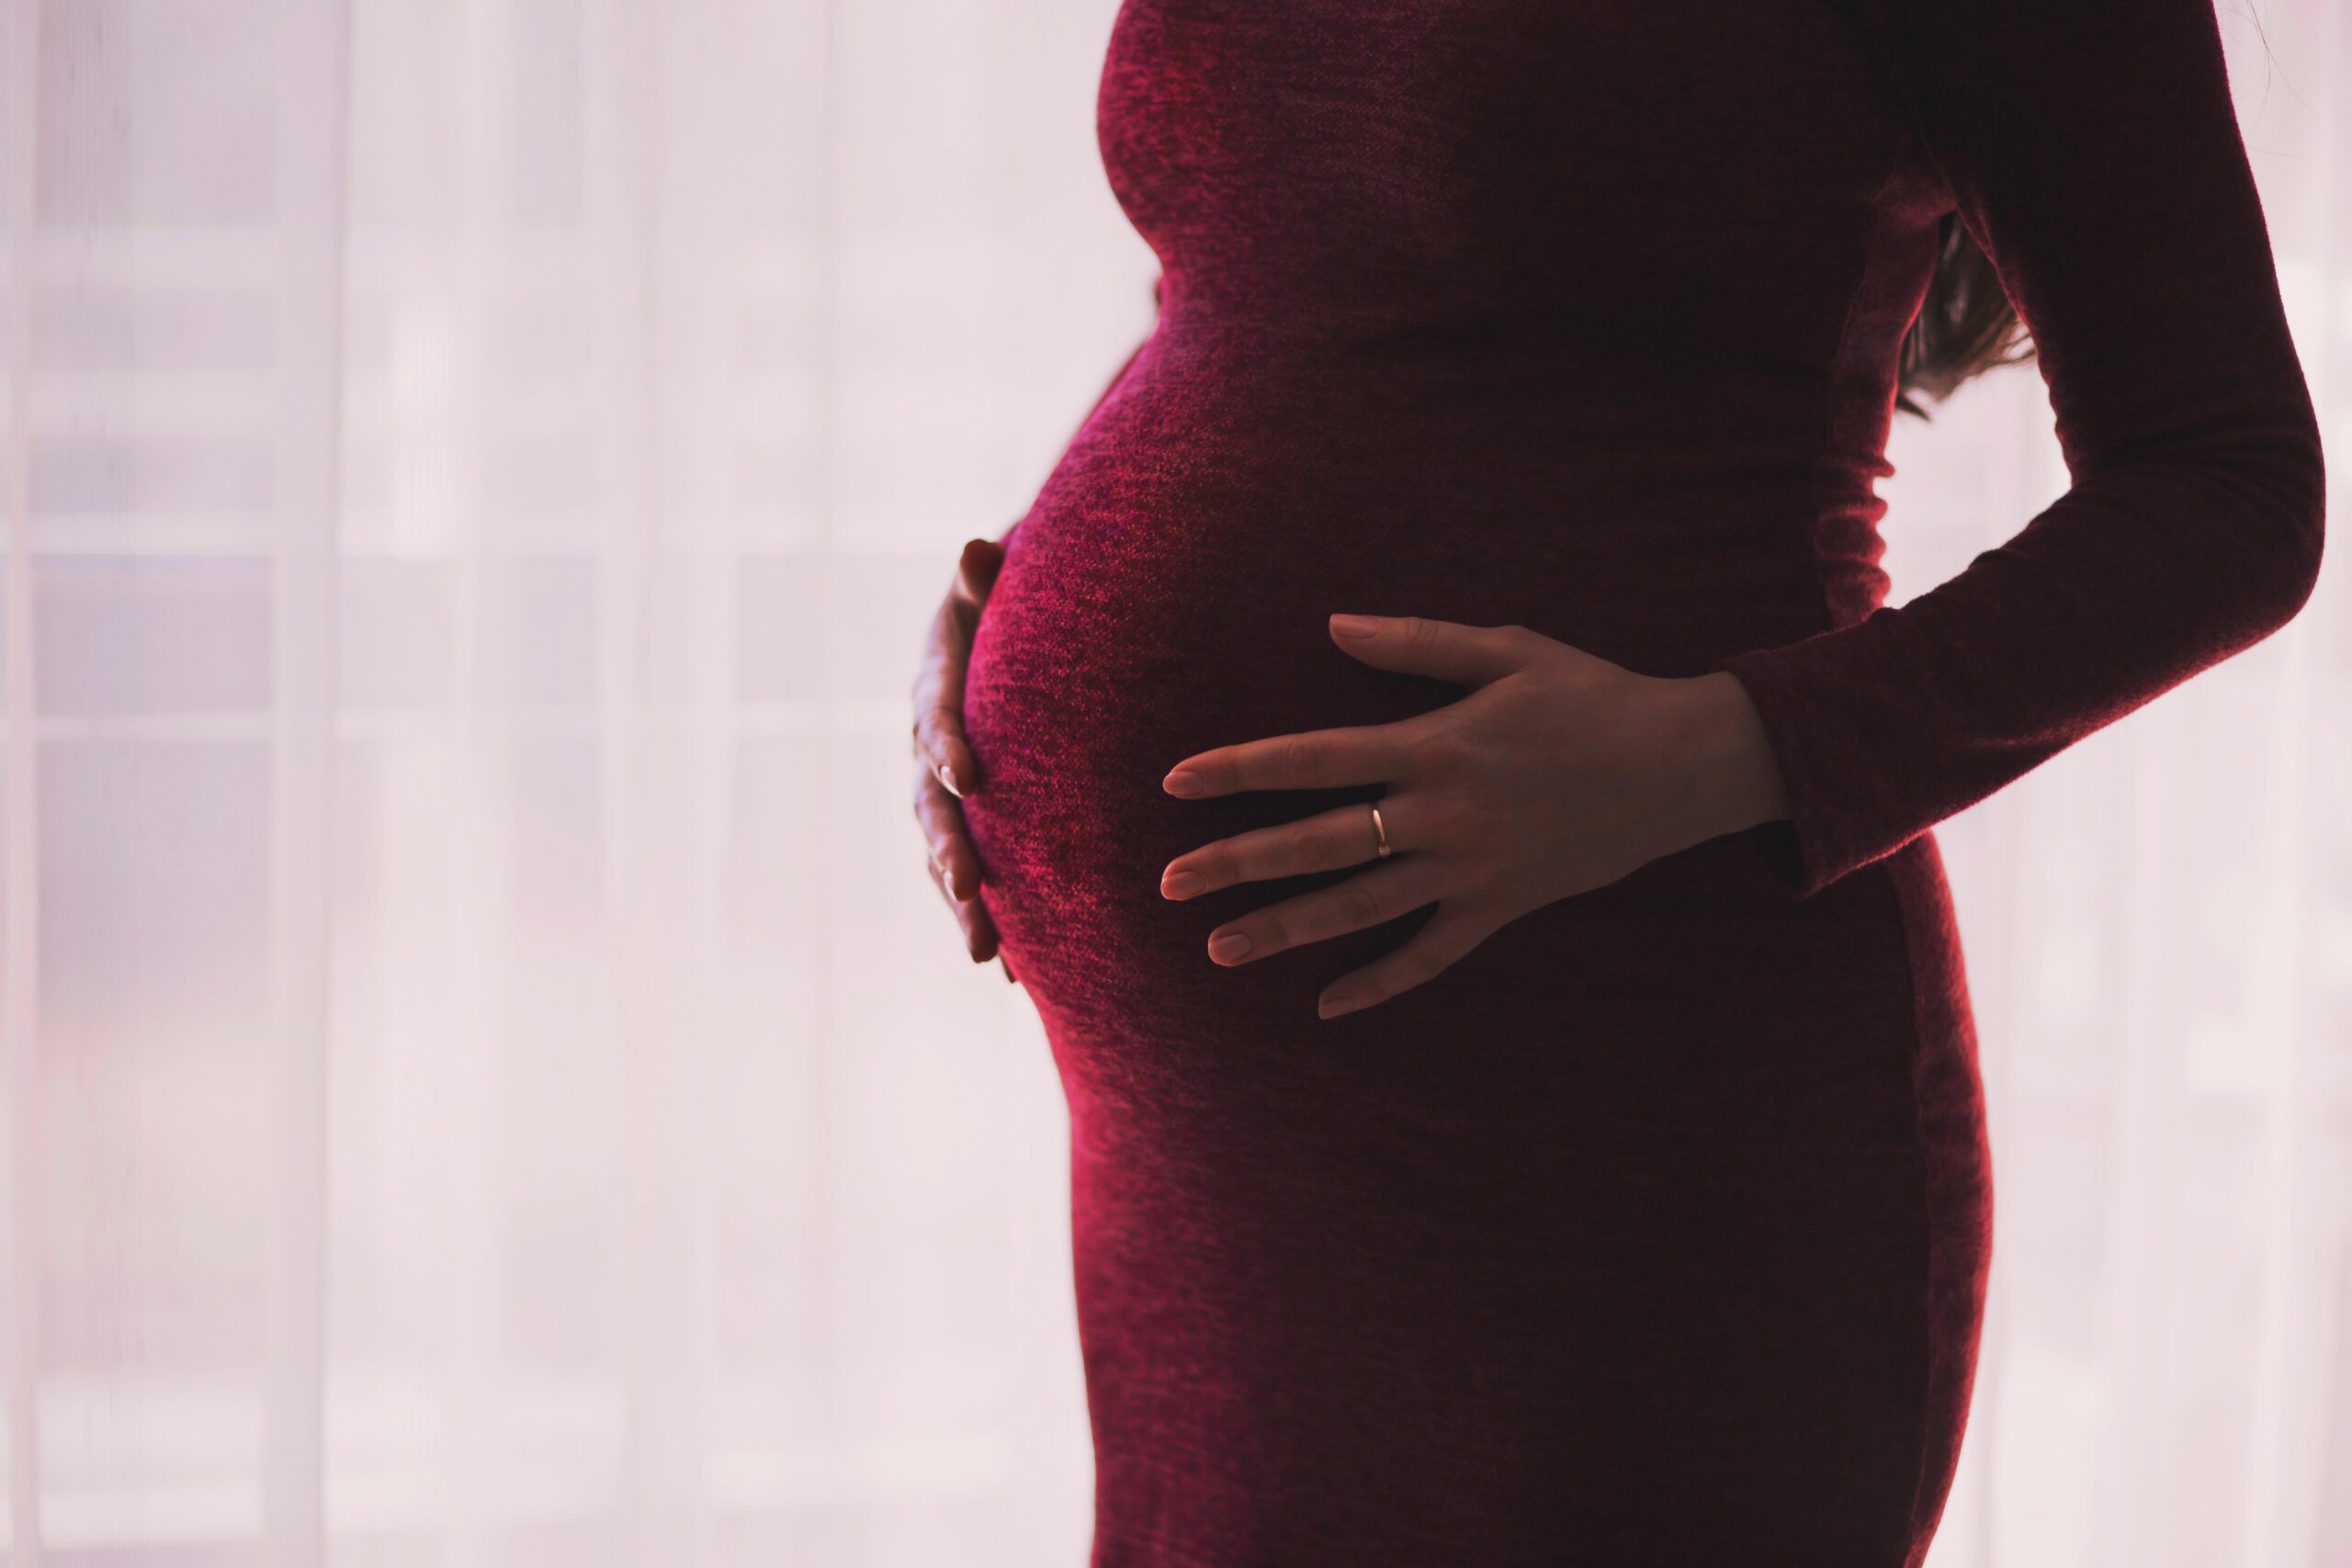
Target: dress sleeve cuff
(1818,842)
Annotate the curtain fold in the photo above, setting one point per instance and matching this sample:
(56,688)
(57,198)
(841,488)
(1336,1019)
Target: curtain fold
(488,1080)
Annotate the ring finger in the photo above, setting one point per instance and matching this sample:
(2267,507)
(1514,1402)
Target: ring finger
(1387,890)
(1343,835)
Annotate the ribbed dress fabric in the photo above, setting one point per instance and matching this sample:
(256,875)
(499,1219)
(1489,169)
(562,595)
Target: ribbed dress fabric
(1657,1229)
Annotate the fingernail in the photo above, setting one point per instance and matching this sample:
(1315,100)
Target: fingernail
(949,780)
(1331,1007)
(1228,946)
(1184,781)
(1354,625)
(1181,884)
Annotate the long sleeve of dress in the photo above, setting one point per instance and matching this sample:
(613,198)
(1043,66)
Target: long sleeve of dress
(2093,151)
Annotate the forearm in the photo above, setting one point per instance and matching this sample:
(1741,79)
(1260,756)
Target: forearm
(2093,152)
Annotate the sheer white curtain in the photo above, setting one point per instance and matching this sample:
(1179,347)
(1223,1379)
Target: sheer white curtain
(488,1080)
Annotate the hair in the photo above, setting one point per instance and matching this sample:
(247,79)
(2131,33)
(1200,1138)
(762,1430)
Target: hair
(1966,325)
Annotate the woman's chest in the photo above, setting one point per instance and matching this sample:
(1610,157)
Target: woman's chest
(1500,139)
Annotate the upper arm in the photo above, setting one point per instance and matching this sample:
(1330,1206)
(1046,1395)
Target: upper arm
(2092,147)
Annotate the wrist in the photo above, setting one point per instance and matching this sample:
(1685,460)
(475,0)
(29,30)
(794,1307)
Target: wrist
(1725,756)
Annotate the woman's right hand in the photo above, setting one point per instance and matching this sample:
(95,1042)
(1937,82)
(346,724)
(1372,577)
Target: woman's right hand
(944,771)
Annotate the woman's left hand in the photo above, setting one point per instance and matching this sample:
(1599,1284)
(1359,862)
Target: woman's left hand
(1558,773)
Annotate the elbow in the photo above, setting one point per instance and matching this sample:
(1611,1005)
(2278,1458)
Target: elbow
(2299,494)
(2299,506)
(2276,491)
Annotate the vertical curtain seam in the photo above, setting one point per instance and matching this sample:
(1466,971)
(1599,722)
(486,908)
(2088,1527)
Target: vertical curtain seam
(311,216)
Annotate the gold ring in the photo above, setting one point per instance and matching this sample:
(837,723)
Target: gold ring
(1383,831)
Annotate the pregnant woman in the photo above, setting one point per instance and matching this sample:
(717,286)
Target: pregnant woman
(1438,757)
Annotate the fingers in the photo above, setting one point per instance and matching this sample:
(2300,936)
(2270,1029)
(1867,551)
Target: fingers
(939,704)
(1444,939)
(979,930)
(946,756)
(1389,890)
(1465,655)
(976,570)
(939,683)
(1314,758)
(1323,759)
(955,864)
(942,826)
(1342,836)
(945,769)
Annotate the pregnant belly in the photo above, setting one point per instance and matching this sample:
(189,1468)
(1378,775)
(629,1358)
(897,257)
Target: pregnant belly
(1169,591)
(1116,642)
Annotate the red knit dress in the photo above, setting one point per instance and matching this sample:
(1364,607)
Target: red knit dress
(1656,1230)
